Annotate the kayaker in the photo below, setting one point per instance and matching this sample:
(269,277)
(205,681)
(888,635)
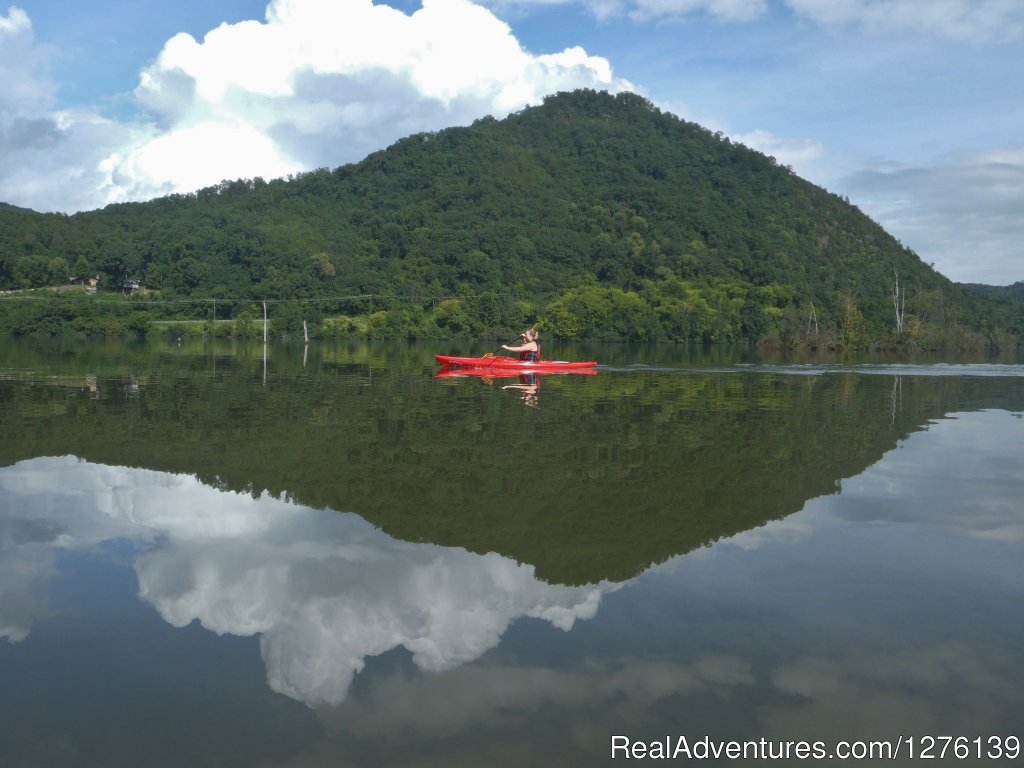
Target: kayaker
(530,349)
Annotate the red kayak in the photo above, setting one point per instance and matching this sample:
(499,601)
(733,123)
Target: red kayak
(507,365)
(503,372)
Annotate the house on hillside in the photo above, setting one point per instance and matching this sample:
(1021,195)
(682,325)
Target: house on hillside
(91,282)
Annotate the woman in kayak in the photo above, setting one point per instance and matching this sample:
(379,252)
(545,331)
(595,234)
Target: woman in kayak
(530,349)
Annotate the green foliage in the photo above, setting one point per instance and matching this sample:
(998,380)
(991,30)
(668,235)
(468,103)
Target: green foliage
(31,271)
(612,218)
(82,268)
(602,313)
(245,325)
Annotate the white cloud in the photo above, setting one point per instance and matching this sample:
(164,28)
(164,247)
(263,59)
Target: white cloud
(193,156)
(49,158)
(318,83)
(23,87)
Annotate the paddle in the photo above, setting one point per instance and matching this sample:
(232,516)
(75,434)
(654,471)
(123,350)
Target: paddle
(492,354)
(521,335)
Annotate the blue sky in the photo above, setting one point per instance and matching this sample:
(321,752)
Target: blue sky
(914,109)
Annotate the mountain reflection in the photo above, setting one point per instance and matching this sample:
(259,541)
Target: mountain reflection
(615,472)
(323,590)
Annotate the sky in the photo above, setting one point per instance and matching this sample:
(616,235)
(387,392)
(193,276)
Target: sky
(913,109)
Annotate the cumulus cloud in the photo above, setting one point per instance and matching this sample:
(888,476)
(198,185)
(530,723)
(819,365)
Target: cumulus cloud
(42,148)
(317,83)
(963,212)
(324,590)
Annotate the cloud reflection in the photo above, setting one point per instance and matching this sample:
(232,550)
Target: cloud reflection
(324,590)
(23,570)
(866,693)
(961,475)
(623,690)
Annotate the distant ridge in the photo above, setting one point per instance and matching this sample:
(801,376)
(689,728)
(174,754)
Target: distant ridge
(9,207)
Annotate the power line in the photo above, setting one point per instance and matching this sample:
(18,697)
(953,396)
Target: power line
(314,300)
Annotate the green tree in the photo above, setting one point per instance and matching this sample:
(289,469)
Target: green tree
(82,269)
(31,271)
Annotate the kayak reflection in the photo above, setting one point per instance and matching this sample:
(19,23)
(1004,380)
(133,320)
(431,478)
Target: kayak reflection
(528,384)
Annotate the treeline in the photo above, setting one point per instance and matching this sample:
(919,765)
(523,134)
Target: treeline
(601,214)
(673,311)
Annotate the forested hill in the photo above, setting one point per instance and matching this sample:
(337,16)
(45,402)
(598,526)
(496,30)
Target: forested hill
(1013,294)
(600,214)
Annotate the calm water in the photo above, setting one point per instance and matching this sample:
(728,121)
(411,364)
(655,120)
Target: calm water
(332,557)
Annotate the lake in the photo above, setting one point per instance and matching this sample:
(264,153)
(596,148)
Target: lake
(330,556)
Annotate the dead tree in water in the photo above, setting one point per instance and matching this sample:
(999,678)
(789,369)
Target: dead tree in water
(896,399)
(899,301)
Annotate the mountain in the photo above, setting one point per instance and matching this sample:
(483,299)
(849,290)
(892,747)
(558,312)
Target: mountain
(1014,294)
(600,214)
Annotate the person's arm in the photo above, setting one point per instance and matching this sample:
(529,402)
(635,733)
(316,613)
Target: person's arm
(528,346)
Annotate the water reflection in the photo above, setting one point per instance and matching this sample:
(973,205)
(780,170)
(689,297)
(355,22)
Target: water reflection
(886,608)
(624,468)
(323,590)
(24,566)
(527,385)
(838,556)
(966,477)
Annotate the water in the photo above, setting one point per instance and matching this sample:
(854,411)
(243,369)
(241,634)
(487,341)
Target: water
(333,557)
